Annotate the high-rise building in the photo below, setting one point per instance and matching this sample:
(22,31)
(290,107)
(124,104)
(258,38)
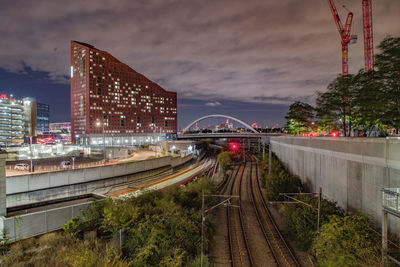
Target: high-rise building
(111,102)
(21,118)
(12,121)
(43,114)
(30,112)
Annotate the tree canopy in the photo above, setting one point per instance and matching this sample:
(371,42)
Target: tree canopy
(300,118)
(365,102)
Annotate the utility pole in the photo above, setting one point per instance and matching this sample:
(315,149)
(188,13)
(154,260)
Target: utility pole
(319,208)
(202,227)
(269,160)
(203,215)
(104,141)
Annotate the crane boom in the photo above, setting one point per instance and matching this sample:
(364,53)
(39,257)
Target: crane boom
(344,35)
(368,35)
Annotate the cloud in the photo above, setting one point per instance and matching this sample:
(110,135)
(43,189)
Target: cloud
(255,51)
(213,104)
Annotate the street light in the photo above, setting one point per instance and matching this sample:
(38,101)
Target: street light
(30,147)
(98,124)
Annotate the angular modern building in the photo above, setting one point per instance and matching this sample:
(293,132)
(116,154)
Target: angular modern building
(114,104)
(43,116)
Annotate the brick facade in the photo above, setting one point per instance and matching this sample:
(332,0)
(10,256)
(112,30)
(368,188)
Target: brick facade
(105,90)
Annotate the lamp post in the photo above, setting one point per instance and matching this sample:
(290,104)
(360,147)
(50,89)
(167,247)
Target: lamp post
(98,124)
(155,147)
(30,146)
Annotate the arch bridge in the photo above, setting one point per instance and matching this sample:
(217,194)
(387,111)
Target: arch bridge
(250,134)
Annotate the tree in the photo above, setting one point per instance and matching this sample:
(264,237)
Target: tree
(334,107)
(347,241)
(368,104)
(300,118)
(225,160)
(387,63)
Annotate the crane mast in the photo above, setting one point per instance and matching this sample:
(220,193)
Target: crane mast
(344,33)
(368,35)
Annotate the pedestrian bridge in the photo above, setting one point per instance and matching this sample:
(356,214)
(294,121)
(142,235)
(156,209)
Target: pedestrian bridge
(249,132)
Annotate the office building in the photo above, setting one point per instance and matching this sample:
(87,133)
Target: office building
(43,118)
(113,103)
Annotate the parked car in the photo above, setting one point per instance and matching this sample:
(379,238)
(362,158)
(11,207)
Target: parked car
(22,167)
(65,164)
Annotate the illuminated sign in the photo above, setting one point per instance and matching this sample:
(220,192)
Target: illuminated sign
(3,96)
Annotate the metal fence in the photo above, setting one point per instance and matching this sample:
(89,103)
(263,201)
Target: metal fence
(37,223)
(390,199)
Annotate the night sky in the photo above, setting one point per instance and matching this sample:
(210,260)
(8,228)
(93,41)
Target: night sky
(249,59)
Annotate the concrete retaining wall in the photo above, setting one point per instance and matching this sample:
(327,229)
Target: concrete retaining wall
(351,171)
(30,188)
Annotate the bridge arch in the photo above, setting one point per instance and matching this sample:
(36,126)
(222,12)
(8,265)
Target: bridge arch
(220,116)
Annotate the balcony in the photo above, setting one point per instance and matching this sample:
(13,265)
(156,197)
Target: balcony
(390,199)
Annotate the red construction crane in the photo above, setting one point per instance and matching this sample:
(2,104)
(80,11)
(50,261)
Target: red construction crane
(344,35)
(368,37)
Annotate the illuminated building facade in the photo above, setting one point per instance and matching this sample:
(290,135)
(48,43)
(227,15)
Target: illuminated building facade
(113,103)
(12,121)
(19,119)
(43,116)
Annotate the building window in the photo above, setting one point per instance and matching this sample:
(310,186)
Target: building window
(99,91)
(166,123)
(153,119)
(123,122)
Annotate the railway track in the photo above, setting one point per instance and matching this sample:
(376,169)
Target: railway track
(282,253)
(253,236)
(238,242)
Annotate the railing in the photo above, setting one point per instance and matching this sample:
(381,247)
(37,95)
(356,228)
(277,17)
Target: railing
(52,168)
(390,199)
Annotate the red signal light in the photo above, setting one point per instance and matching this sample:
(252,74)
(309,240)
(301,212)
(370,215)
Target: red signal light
(334,134)
(234,146)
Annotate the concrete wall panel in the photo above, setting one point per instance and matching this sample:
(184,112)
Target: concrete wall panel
(17,184)
(36,182)
(92,174)
(57,218)
(76,176)
(58,179)
(351,171)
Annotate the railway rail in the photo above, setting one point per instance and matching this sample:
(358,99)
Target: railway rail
(253,236)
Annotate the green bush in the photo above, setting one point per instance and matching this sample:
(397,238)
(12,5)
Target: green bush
(302,220)
(74,227)
(4,243)
(225,159)
(160,228)
(280,181)
(347,241)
